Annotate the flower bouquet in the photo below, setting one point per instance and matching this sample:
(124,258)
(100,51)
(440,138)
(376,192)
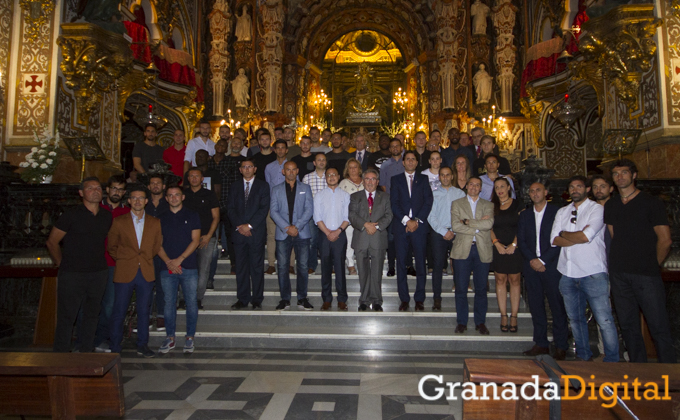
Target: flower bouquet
(43,159)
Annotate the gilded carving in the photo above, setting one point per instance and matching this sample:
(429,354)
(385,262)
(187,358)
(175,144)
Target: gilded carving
(219,58)
(533,110)
(127,84)
(6,10)
(36,14)
(505,53)
(268,93)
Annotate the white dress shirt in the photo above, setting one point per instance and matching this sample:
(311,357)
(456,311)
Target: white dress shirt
(538,216)
(409,178)
(196,144)
(361,155)
(138,222)
(581,260)
(473,205)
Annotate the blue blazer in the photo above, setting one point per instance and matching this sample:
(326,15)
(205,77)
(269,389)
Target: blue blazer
(526,235)
(254,213)
(419,203)
(303,210)
(364,163)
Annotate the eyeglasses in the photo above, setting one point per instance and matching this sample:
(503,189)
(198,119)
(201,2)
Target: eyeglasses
(575,214)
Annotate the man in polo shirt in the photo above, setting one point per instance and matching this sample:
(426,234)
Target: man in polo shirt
(201,142)
(82,266)
(181,229)
(205,203)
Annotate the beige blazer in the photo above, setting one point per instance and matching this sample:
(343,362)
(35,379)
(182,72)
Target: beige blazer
(460,210)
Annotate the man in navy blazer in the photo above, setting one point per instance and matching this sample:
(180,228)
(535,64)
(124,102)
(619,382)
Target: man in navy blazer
(540,272)
(411,199)
(247,207)
(361,154)
(291,208)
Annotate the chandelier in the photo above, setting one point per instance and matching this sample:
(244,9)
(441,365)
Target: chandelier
(143,117)
(566,112)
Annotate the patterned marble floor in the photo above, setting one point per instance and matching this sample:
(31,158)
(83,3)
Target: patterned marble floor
(288,385)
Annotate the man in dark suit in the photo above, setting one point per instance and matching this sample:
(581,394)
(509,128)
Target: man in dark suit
(370,213)
(411,200)
(540,272)
(361,154)
(247,207)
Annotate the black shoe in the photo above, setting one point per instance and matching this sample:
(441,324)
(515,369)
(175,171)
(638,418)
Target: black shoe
(145,351)
(304,304)
(560,354)
(283,305)
(200,305)
(238,305)
(377,307)
(210,285)
(363,307)
(411,271)
(257,306)
(182,304)
(390,272)
(536,350)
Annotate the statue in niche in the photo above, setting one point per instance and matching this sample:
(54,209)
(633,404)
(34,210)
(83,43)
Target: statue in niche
(479,12)
(244,26)
(240,86)
(105,14)
(483,85)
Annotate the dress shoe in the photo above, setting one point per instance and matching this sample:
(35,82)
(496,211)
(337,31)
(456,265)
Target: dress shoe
(310,271)
(390,272)
(352,271)
(482,329)
(403,307)
(238,305)
(411,271)
(363,307)
(257,306)
(420,306)
(560,354)
(200,304)
(536,350)
(326,306)
(342,306)
(437,306)
(377,307)
(291,270)
(270,270)
(210,285)
(460,329)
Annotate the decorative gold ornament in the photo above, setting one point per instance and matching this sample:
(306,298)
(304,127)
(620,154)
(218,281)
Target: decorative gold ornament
(128,84)
(621,45)
(533,110)
(92,60)
(37,13)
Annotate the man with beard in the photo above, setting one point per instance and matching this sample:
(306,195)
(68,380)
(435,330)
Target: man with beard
(436,137)
(156,207)
(602,189)
(318,145)
(174,155)
(200,142)
(641,239)
(377,158)
(265,156)
(147,152)
(225,134)
(305,159)
(289,137)
(579,230)
(229,171)
(337,157)
(455,149)
(393,166)
(82,266)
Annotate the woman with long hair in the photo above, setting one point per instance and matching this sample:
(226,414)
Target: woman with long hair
(461,172)
(507,260)
(351,183)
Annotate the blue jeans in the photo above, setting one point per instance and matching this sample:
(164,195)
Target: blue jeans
(188,280)
(313,258)
(283,250)
(103,334)
(594,290)
(205,257)
(461,278)
(123,294)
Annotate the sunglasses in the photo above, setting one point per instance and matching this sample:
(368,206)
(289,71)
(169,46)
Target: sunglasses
(575,214)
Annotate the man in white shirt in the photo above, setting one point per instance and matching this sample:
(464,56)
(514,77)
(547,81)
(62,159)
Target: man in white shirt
(201,142)
(579,230)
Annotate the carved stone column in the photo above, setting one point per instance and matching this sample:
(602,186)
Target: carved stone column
(269,59)
(447,48)
(220,29)
(506,52)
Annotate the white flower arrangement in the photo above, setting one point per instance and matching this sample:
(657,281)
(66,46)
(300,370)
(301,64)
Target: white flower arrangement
(37,165)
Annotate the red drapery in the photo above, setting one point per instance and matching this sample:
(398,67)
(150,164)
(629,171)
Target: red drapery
(140,41)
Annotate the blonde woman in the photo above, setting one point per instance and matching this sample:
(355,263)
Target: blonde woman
(351,183)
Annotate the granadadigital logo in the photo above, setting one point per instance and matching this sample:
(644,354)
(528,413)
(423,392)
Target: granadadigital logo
(608,392)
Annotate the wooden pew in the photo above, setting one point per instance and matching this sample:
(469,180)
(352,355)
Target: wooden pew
(521,371)
(63,385)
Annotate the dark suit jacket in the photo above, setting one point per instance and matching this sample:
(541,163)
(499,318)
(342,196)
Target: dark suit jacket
(420,201)
(129,256)
(255,213)
(364,163)
(359,215)
(526,235)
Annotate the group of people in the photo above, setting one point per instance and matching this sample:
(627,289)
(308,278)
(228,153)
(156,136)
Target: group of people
(321,201)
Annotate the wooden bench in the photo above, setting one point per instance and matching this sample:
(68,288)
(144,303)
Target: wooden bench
(63,385)
(521,371)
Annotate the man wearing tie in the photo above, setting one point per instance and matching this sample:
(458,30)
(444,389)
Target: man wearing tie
(361,154)
(411,200)
(247,207)
(370,214)
(471,221)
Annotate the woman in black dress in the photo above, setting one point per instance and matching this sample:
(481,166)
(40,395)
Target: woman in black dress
(507,260)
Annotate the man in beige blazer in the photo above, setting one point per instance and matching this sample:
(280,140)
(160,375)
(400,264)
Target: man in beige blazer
(134,239)
(471,221)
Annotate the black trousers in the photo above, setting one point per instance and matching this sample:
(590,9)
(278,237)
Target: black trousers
(333,256)
(249,255)
(73,291)
(539,287)
(632,293)
(440,258)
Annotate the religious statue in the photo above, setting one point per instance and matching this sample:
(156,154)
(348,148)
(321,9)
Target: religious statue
(365,103)
(483,85)
(105,14)
(479,12)
(243,26)
(241,89)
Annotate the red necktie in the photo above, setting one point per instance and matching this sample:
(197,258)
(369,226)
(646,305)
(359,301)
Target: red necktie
(370,203)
